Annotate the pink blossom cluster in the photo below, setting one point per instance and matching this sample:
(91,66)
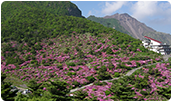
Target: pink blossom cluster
(99,92)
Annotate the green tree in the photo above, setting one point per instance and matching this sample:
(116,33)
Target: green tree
(6,93)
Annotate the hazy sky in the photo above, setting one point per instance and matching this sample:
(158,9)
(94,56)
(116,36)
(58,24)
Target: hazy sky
(155,14)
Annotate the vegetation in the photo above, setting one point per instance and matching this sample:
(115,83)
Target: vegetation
(53,54)
(47,91)
(6,93)
(27,26)
(10,8)
(111,23)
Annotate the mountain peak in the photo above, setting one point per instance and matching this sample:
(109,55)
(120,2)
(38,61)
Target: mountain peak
(125,14)
(132,25)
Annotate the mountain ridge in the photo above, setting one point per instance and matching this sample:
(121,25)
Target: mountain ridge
(139,29)
(108,23)
(9,8)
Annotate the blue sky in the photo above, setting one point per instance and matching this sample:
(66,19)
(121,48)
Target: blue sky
(155,14)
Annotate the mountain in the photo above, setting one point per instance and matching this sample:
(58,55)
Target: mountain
(112,23)
(52,54)
(9,8)
(138,29)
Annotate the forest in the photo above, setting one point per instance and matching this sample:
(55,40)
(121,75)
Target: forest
(53,53)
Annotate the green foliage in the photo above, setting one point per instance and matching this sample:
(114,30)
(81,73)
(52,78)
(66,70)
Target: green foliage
(80,95)
(6,93)
(109,51)
(139,58)
(166,92)
(116,74)
(102,69)
(71,73)
(100,83)
(70,63)
(21,97)
(34,86)
(27,24)
(109,23)
(104,76)
(38,46)
(121,90)
(76,83)
(107,92)
(90,78)
(54,91)
(141,83)
(59,94)
(9,8)
(47,64)
(59,65)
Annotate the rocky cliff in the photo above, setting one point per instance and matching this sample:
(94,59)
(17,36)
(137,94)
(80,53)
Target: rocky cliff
(138,29)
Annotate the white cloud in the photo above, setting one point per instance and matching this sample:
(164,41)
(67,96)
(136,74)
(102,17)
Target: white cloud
(112,7)
(142,9)
(151,10)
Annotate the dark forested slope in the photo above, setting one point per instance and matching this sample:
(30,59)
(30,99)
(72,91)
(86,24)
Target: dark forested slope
(9,8)
(32,23)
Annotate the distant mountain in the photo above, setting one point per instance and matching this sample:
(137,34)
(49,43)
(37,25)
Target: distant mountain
(112,23)
(9,8)
(139,30)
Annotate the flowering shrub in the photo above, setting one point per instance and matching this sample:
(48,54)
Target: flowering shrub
(78,65)
(142,85)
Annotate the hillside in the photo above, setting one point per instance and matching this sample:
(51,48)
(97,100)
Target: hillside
(51,54)
(138,29)
(9,8)
(112,23)
(32,25)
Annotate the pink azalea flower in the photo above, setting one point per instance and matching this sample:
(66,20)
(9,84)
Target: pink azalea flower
(144,89)
(44,88)
(135,97)
(145,99)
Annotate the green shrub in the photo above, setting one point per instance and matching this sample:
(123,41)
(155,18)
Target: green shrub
(70,63)
(107,92)
(47,64)
(43,61)
(116,74)
(88,43)
(59,65)
(71,69)
(99,46)
(80,44)
(104,76)
(122,90)
(6,93)
(94,89)
(71,73)
(66,51)
(34,61)
(90,78)
(138,64)
(109,51)
(75,83)
(100,83)
(50,43)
